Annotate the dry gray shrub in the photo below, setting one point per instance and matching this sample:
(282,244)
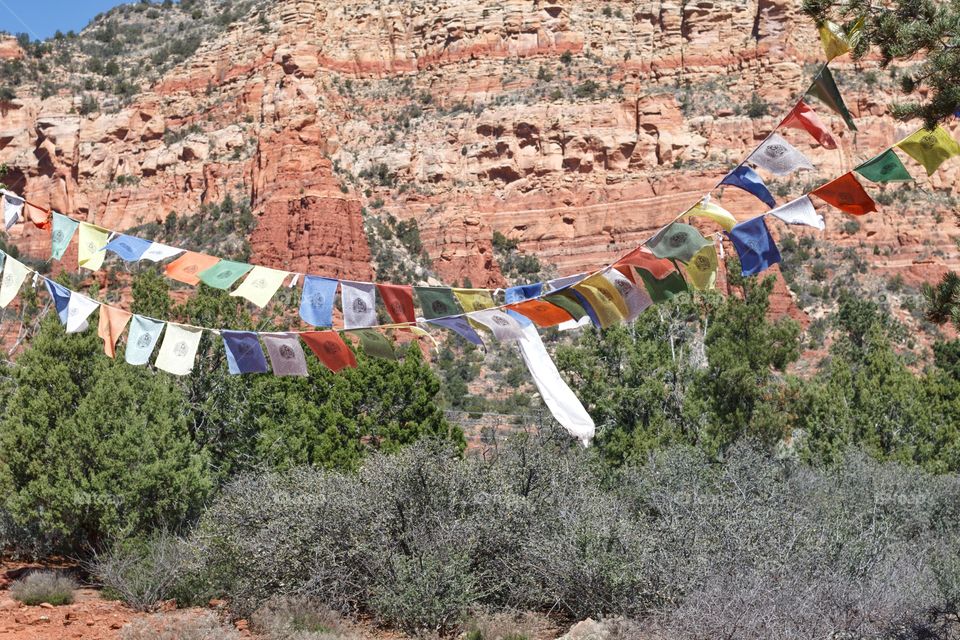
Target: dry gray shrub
(509,625)
(299,618)
(179,626)
(39,587)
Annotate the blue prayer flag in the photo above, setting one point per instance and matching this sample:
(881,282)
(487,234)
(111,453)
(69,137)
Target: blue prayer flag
(316,303)
(129,248)
(754,245)
(743,177)
(460,326)
(594,318)
(61,298)
(244,353)
(523,292)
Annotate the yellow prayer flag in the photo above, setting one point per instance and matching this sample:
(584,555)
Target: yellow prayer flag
(834,40)
(260,285)
(930,148)
(715,212)
(604,298)
(92,241)
(474,299)
(702,268)
(179,349)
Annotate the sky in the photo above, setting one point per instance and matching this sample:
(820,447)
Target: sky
(41,18)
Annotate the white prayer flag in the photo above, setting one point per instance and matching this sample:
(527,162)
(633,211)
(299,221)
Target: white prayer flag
(179,349)
(78,310)
(778,156)
(12,208)
(800,211)
(158,251)
(637,300)
(14,273)
(359,304)
(503,326)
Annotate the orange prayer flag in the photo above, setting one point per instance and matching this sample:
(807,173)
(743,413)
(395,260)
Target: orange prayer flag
(541,312)
(330,349)
(846,194)
(187,267)
(398,299)
(39,217)
(642,257)
(804,117)
(112,323)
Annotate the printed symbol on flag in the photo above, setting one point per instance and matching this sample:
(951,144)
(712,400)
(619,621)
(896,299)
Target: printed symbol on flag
(191,268)
(678,239)
(259,283)
(144,341)
(8,279)
(124,246)
(928,141)
(606,294)
(286,352)
(91,247)
(331,347)
(57,236)
(223,275)
(500,321)
(72,311)
(360,306)
(753,245)
(180,349)
(700,262)
(316,300)
(439,306)
(888,167)
(244,350)
(844,198)
(775,150)
(397,307)
(624,287)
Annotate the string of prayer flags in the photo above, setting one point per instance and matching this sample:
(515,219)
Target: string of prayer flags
(244,353)
(847,194)
(607,303)
(778,156)
(178,351)
(804,117)
(711,211)
(436,302)
(825,89)
(260,285)
(223,273)
(359,304)
(461,326)
(14,273)
(677,241)
(12,208)
(286,354)
(884,168)
(398,299)
(330,349)
(702,268)
(90,246)
(63,230)
(317,300)
(474,299)
(110,327)
(743,177)
(755,246)
(375,344)
(635,299)
(800,211)
(130,248)
(142,339)
(930,148)
(502,325)
(186,268)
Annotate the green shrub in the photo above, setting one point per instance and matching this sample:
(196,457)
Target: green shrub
(44,587)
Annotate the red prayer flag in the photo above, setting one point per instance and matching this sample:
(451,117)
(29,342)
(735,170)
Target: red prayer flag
(846,194)
(330,349)
(804,117)
(398,299)
(643,258)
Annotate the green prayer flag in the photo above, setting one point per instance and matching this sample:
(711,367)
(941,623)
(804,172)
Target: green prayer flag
(568,303)
(886,167)
(664,289)
(63,230)
(437,302)
(375,344)
(224,273)
(677,242)
(826,90)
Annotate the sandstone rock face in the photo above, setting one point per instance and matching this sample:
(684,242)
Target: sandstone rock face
(574,128)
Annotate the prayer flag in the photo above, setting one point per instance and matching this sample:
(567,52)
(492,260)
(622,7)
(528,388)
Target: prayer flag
(522,292)
(833,39)
(317,300)
(460,326)
(142,339)
(129,248)
(846,194)
(330,349)
(158,251)
(244,353)
(707,209)
(502,325)
(63,230)
(607,303)
(663,289)
(826,90)
(436,302)
(260,285)
(800,211)
(112,323)
(12,208)
(78,311)
(643,258)
(187,267)
(702,269)
(92,241)
(567,301)
(743,177)
(930,148)
(886,167)
(677,241)
(61,299)
(375,344)
(39,217)
(359,304)
(778,156)
(543,313)
(178,351)
(398,299)
(636,299)
(804,117)
(224,273)
(474,299)
(286,354)
(755,246)
(14,273)
(566,281)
